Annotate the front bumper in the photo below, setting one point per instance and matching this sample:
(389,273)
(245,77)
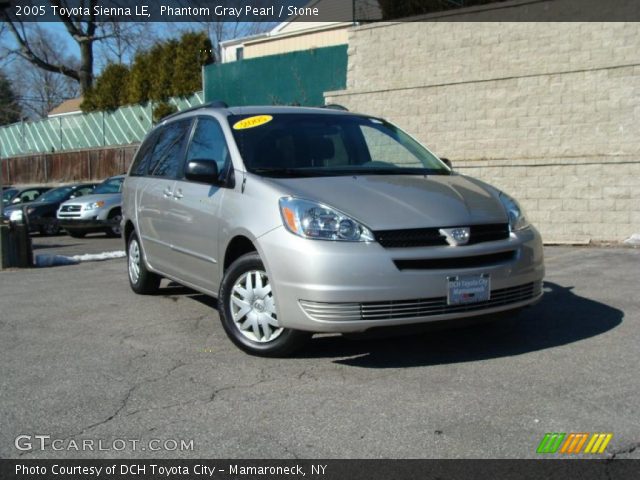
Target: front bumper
(325,286)
(93,223)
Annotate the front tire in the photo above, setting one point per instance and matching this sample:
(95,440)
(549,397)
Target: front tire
(77,233)
(114,231)
(142,281)
(248,313)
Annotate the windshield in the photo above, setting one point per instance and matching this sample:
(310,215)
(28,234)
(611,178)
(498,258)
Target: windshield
(111,185)
(55,195)
(8,194)
(328,145)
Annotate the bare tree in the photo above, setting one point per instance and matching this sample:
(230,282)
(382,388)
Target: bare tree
(220,29)
(40,90)
(123,39)
(117,42)
(83,32)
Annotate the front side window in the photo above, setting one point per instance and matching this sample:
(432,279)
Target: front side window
(208,143)
(329,145)
(166,158)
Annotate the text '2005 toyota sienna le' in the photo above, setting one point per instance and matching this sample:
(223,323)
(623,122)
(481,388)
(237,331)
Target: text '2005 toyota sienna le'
(302,220)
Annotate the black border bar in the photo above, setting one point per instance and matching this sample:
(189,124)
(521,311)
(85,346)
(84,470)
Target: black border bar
(561,469)
(352,11)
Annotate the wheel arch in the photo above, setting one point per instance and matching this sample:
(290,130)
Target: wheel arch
(238,246)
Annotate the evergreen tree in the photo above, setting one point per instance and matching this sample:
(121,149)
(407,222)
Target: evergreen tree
(10,110)
(110,89)
(193,51)
(169,69)
(139,79)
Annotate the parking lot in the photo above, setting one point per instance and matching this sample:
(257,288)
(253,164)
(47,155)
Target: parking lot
(84,358)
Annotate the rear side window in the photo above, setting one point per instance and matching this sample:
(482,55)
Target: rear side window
(141,162)
(29,195)
(208,143)
(166,159)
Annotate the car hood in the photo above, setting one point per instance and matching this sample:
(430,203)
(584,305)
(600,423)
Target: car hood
(389,202)
(36,204)
(85,200)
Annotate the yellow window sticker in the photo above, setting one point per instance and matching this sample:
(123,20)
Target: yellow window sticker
(252,122)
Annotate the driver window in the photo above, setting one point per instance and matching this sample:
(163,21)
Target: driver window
(208,143)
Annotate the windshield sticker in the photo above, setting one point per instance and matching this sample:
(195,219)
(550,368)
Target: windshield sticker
(252,122)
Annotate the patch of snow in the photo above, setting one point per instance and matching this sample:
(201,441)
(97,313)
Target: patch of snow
(633,239)
(97,257)
(48,260)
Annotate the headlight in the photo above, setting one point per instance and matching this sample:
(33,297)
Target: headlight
(93,206)
(16,215)
(517,218)
(309,219)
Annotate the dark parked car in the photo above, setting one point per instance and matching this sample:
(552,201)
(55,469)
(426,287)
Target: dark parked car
(13,195)
(41,213)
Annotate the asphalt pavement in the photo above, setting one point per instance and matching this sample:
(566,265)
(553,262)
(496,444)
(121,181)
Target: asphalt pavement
(93,243)
(82,357)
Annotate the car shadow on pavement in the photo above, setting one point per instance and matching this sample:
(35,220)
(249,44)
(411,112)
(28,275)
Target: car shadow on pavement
(42,246)
(560,318)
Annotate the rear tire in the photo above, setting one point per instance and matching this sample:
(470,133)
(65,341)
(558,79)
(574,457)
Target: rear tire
(142,281)
(50,228)
(248,314)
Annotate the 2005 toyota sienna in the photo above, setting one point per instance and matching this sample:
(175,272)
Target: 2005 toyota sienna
(302,220)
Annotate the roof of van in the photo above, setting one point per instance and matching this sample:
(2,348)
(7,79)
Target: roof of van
(270,109)
(219,106)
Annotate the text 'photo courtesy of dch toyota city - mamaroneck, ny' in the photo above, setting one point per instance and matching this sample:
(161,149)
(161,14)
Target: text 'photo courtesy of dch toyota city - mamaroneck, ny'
(333,239)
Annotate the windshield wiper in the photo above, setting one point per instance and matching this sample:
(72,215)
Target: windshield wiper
(287,172)
(396,171)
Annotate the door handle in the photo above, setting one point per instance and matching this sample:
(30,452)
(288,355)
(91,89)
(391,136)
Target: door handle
(167,192)
(178,194)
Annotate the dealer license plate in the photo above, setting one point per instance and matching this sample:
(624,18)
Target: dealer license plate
(464,289)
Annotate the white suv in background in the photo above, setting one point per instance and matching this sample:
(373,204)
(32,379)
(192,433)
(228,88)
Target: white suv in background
(99,212)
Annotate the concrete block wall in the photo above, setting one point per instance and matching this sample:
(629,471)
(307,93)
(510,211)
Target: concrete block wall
(549,112)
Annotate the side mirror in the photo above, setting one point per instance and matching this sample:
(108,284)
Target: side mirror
(202,171)
(447,162)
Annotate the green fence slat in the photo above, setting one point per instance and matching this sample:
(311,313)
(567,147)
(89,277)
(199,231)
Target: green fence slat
(296,78)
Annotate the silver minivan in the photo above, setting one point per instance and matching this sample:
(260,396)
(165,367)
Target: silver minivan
(302,220)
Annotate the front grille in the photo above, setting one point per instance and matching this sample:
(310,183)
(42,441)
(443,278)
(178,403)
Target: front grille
(430,237)
(475,261)
(422,307)
(70,208)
